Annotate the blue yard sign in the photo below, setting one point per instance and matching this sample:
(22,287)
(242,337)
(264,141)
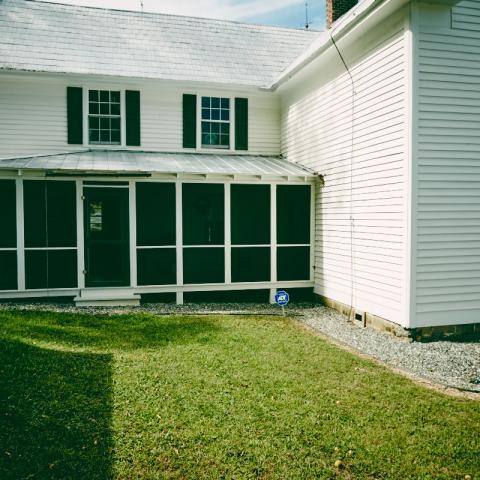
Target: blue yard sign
(282,298)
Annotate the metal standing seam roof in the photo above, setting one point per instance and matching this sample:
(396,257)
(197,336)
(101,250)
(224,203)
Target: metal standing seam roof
(112,161)
(51,37)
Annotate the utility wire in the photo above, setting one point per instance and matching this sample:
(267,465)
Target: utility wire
(352,152)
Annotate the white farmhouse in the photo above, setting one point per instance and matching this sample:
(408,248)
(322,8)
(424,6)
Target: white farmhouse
(143,153)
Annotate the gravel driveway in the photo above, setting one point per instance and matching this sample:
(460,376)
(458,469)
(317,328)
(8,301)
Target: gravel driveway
(447,363)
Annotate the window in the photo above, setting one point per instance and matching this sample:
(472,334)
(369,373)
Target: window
(215,122)
(104,116)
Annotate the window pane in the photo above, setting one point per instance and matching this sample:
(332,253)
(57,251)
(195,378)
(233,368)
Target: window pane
(293,214)
(293,263)
(104,109)
(203,265)
(225,103)
(93,108)
(93,95)
(215,127)
(61,214)
(115,109)
(115,97)
(104,135)
(94,123)
(155,213)
(250,214)
(94,135)
(157,266)
(203,214)
(8,235)
(215,102)
(8,270)
(34,206)
(205,102)
(215,114)
(205,114)
(104,123)
(104,96)
(206,139)
(251,264)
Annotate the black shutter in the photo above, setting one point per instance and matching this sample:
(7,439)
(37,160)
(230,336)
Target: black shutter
(132,114)
(189,121)
(75,115)
(241,124)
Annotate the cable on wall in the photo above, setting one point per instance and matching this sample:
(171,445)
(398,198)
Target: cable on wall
(352,221)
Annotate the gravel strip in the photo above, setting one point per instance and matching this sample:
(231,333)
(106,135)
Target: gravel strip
(447,363)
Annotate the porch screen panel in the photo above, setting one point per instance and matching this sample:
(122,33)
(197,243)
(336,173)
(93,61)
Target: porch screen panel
(203,214)
(156,228)
(203,265)
(250,207)
(156,266)
(250,231)
(251,264)
(8,270)
(50,234)
(203,227)
(8,236)
(293,232)
(155,214)
(293,219)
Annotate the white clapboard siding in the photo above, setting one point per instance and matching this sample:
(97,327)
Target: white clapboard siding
(317,133)
(447,289)
(33,114)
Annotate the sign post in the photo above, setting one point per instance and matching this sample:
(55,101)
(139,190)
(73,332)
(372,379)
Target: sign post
(282,298)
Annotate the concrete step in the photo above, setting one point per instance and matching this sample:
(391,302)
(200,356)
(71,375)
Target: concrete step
(108,297)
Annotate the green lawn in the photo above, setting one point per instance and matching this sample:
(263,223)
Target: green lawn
(143,397)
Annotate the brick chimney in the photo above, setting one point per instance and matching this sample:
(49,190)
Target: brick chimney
(336,8)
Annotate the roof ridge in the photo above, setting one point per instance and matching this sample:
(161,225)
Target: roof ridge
(161,14)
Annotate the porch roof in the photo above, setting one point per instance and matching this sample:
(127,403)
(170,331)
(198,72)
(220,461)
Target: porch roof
(131,162)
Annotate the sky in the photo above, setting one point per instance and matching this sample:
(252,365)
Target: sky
(288,13)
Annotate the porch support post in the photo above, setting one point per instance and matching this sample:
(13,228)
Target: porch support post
(273,239)
(313,189)
(228,239)
(179,239)
(20,235)
(132,209)
(80,235)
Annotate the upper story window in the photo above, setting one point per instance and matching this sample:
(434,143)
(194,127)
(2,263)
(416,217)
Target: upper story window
(104,117)
(215,122)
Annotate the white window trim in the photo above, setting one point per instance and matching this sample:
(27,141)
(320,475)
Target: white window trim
(218,151)
(103,146)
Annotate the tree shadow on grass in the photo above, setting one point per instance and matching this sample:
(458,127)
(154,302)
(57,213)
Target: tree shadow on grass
(125,332)
(55,413)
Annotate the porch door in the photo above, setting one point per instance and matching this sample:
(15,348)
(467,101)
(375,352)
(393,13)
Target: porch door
(107,255)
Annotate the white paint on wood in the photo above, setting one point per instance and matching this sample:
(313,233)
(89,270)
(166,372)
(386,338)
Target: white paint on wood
(361,220)
(228,240)
(447,161)
(132,203)
(80,235)
(20,235)
(33,115)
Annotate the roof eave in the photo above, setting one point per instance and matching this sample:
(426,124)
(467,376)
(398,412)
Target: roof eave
(342,26)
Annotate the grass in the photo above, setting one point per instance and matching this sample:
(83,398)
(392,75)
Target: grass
(148,397)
